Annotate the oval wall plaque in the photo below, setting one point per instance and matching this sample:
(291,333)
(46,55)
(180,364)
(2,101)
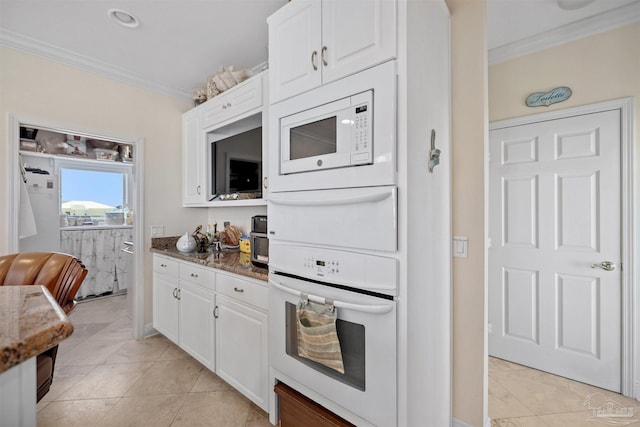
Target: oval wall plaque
(540,99)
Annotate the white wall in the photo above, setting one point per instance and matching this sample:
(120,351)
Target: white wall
(35,87)
(469,131)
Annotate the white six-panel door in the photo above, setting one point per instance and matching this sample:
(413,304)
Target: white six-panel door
(554,195)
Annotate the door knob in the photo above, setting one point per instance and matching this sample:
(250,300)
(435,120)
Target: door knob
(605,265)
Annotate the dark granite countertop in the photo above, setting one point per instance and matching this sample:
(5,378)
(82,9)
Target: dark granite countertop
(232,261)
(31,321)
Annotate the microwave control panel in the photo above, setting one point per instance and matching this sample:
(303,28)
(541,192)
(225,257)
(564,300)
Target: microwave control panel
(361,149)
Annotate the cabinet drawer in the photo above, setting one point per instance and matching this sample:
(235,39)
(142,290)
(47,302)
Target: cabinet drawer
(164,265)
(242,290)
(239,99)
(202,276)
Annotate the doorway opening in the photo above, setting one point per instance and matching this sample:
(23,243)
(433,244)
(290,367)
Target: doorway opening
(527,330)
(101,175)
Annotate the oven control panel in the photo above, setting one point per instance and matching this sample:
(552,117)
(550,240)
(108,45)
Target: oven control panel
(322,267)
(353,269)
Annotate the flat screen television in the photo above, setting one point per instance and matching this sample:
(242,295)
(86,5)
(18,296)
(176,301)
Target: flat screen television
(236,163)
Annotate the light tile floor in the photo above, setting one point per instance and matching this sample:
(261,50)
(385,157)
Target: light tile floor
(525,397)
(105,378)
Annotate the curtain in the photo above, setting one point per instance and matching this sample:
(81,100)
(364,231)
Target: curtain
(99,251)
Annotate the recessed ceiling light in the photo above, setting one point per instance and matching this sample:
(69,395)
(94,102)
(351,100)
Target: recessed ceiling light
(573,4)
(123,18)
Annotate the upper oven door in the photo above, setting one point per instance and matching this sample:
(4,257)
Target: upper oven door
(333,135)
(358,218)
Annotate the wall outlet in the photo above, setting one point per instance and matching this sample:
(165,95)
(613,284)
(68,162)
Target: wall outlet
(157,230)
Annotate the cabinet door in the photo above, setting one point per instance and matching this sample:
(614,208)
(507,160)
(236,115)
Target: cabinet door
(241,349)
(238,101)
(265,136)
(294,49)
(165,306)
(193,191)
(356,35)
(196,323)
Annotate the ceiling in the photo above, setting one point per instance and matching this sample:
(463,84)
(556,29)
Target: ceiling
(179,44)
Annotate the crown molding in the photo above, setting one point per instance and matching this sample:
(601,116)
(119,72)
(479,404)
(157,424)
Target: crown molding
(576,30)
(54,53)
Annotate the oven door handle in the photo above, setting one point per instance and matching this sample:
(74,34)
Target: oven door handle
(376,309)
(337,201)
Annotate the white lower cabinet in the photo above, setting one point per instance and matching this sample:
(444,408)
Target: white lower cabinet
(241,349)
(218,318)
(183,309)
(165,302)
(197,332)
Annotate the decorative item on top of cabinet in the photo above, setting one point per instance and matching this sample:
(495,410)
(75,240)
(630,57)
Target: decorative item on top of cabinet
(313,42)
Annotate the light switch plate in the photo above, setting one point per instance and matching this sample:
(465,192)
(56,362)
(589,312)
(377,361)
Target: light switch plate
(460,245)
(157,230)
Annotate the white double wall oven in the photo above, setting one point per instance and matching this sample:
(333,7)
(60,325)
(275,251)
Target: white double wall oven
(333,227)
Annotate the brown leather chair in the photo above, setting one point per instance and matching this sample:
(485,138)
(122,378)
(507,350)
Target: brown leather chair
(62,275)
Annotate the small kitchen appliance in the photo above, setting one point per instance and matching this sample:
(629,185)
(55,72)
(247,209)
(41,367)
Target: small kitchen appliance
(340,135)
(259,241)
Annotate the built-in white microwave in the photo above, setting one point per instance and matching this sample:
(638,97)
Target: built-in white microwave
(339,135)
(333,135)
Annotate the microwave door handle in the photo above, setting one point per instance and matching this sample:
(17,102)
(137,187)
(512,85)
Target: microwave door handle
(375,309)
(340,201)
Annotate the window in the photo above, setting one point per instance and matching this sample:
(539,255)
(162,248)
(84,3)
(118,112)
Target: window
(94,196)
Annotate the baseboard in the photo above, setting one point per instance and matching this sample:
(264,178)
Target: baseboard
(148,331)
(459,423)
(636,391)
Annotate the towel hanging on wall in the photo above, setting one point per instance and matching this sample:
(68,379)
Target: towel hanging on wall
(26,220)
(317,334)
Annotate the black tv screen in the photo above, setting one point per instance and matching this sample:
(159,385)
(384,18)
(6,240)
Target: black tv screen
(236,163)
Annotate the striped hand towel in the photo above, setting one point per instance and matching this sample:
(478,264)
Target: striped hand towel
(317,335)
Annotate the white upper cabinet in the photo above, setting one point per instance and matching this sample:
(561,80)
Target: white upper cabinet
(236,111)
(295,41)
(193,191)
(238,101)
(312,42)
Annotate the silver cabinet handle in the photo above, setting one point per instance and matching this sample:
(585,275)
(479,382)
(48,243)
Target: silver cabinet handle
(198,189)
(227,105)
(215,312)
(324,56)
(265,182)
(313,60)
(194,275)
(175,293)
(163,265)
(237,289)
(605,265)
(179,291)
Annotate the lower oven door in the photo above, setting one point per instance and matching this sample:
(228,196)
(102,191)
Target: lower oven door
(366,329)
